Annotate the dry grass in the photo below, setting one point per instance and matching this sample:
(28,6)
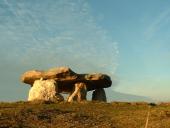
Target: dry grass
(87,114)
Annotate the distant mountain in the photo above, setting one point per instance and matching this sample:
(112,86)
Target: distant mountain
(118,96)
(122,97)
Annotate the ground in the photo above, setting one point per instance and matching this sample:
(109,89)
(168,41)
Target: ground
(83,115)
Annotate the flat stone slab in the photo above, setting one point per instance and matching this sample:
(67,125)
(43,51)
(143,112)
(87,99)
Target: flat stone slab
(66,78)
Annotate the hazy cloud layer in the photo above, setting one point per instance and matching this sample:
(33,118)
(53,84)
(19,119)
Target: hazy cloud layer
(42,34)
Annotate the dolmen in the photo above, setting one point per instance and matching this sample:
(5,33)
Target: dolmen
(49,85)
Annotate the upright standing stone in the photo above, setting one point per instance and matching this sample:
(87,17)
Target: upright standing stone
(99,95)
(45,90)
(79,92)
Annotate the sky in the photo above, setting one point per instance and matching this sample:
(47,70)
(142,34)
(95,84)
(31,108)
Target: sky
(128,40)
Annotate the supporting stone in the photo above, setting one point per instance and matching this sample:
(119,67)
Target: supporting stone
(79,91)
(46,90)
(99,95)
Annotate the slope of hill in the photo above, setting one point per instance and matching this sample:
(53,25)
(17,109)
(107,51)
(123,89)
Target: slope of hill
(83,115)
(118,96)
(122,97)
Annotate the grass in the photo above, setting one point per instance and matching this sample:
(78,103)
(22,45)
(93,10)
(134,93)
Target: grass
(83,115)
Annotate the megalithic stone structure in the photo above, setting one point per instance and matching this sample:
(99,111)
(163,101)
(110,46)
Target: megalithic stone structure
(65,79)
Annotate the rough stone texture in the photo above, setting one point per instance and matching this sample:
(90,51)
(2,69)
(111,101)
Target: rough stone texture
(66,79)
(60,74)
(45,90)
(99,95)
(79,92)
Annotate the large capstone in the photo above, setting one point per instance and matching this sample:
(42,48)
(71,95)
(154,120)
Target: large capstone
(66,78)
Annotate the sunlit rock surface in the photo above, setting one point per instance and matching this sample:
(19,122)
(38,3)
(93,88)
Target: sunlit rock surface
(45,90)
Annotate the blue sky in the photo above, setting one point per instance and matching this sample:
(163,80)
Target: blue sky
(129,40)
(141,29)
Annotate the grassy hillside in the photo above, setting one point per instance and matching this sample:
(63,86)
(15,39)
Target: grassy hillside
(83,115)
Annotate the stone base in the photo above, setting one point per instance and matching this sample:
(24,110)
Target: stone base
(99,95)
(45,90)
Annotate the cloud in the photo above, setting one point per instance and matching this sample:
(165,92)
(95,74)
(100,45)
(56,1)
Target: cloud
(158,22)
(39,34)
(58,32)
